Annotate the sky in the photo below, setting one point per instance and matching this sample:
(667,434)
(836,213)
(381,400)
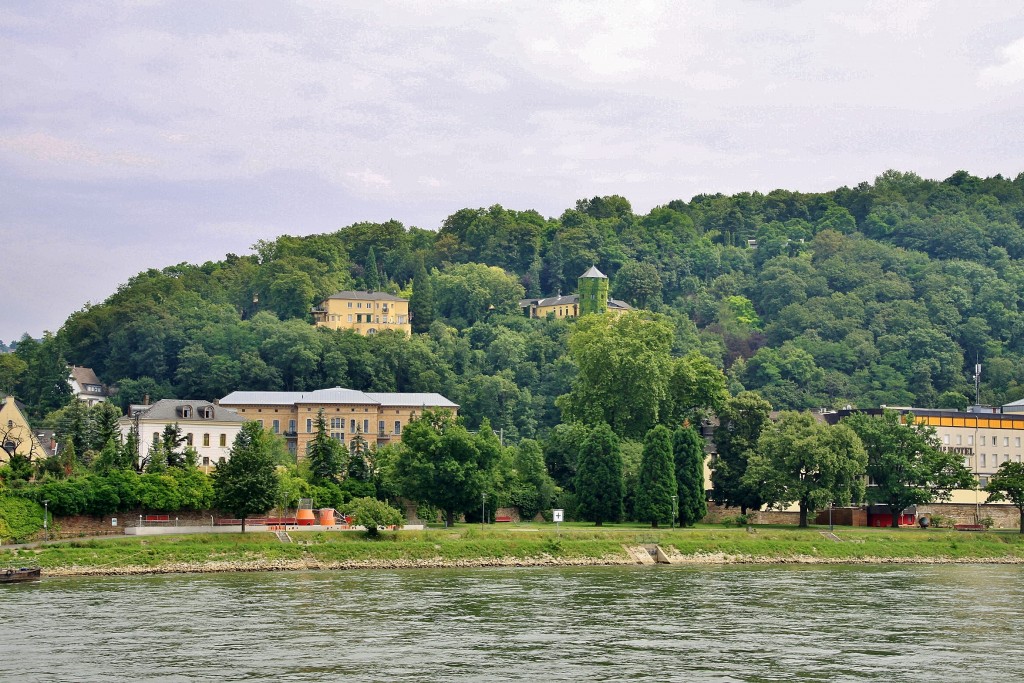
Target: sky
(141,134)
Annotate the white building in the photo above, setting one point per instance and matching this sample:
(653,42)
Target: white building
(209,428)
(86,386)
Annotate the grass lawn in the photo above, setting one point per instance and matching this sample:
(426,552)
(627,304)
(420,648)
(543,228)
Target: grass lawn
(467,542)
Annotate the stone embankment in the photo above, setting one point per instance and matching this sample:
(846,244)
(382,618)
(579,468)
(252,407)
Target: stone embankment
(627,558)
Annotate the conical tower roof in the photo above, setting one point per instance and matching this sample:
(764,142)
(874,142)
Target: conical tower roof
(594,272)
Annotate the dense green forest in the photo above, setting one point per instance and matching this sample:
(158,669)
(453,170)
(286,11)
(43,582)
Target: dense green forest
(884,293)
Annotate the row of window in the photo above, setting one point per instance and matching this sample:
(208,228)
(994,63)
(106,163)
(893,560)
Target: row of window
(984,461)
(189,439)
(206,412)
(338,423)
(981,440)
(376,304)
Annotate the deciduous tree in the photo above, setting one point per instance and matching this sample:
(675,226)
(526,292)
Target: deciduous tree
(1008,484)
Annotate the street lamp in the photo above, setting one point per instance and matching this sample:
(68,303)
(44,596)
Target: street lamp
(675,499)
(46,516)
(483,511)
(830,507)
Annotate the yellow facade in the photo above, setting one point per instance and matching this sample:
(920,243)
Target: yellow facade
(376,418)
(16,435)
(364,312)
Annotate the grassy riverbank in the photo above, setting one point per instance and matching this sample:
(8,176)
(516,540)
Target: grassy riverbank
(510,546)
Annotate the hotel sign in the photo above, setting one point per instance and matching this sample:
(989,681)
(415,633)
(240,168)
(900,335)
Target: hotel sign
(959,450)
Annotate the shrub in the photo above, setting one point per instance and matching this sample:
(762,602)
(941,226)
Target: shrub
(20,518)
(373,514)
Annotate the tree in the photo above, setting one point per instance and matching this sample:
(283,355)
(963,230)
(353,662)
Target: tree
(441,464)
(638,283)
(599,477)
(740,423)
(247,483)
(536,486)
(373,514)
(906,462)
(370,275)
(1008,484)
(800,460)
(624,366)
(422,309)
(688,449)
(324,453)
(657,482)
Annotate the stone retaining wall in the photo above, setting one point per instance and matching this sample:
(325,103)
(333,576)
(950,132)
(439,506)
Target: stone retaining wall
(1002,516)
(718,514)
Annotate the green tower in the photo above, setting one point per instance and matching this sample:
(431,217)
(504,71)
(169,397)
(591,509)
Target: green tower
(593,292)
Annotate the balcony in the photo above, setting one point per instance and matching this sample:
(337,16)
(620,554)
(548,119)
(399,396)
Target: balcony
(290,434)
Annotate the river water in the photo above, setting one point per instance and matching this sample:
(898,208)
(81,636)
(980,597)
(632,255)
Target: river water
(859,623)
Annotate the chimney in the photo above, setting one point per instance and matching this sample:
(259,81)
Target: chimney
(145,400)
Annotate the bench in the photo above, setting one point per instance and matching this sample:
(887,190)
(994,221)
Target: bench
(156,519)
(502,518)
(969,527)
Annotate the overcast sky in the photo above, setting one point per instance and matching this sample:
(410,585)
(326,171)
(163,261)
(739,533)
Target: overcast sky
(141,134)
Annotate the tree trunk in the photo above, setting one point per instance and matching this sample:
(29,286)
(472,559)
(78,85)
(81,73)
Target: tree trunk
(743,509)
(654,524)
(598,523)
(1022,520)
(243,524)
(449,518)
(803,515)
(895,518)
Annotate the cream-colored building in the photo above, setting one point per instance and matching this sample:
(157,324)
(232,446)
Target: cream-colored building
(376,417)
(209,428)
(16,435)
(364,312)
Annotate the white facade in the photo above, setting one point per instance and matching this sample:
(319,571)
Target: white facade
(210,429)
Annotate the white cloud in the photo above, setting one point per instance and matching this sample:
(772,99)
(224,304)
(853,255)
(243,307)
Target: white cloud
(1009,71)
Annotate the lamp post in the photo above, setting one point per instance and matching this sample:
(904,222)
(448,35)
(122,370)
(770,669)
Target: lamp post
(46,517)
(830,507)
(483,510)
(675,500)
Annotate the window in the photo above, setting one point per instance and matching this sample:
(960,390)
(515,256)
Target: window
(338,436)
(352,427)
(336,423)
(982,459)
(10,424)
(366,426)
(275,426)
(359,305)
(380,427)
(1016,442)
(291,426)
(208,413)
(206,462)
(945,439)
(223,440)
(350,306)
(1006,442)
(186,411)
(156,437)
(350,317)
(398,427)
(221,460)
(309,426)
(959,439)
(982,440)
(970,439)
(188,439)
(206,439)
(260,423)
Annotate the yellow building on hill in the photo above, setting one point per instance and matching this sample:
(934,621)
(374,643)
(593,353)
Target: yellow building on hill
(364,312)
(16,436)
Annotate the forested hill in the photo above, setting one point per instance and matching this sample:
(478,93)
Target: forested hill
(883,293)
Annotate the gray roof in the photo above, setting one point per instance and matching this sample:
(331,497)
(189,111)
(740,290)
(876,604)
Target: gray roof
(366,296)
(616,303)
(1018,402)
(594,272)
(85,376)
(334,395)
(561,300)
(170,410)
(428,400)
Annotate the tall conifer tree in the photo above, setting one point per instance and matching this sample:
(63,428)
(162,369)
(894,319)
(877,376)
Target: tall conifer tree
(370,274)
(599,477)
(422,308)
(688,449)
(657,483)
(325,454)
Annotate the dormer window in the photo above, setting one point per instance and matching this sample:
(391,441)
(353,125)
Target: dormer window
(186,411)
(208,413)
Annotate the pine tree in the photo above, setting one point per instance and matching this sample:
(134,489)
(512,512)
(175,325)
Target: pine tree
(247,483)
(657,482)
(599,477)
(324,453)
(422,309)
(688,449)
(370,274)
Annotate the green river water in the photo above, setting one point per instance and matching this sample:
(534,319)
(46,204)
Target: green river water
(858,623)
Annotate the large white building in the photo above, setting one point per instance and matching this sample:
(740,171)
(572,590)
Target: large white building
(207,427)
